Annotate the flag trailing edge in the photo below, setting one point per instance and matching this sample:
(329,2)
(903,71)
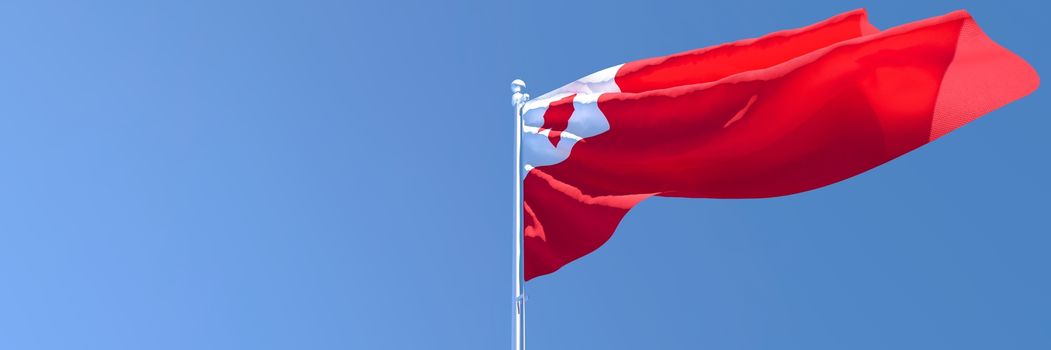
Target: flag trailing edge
(781,114)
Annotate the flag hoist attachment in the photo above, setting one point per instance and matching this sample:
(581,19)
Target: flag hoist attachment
(518,99)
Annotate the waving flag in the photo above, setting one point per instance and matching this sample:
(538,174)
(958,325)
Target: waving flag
(781,114)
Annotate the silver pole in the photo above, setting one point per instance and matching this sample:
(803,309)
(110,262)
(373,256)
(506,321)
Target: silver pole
(518,100)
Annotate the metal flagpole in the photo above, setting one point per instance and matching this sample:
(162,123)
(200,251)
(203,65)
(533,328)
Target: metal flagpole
(518,100)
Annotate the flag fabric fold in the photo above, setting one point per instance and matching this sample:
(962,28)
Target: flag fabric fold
(776,115)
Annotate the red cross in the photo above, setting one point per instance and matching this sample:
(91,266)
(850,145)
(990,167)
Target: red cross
(556,118)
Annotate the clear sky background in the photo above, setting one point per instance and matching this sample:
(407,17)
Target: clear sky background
(337,175)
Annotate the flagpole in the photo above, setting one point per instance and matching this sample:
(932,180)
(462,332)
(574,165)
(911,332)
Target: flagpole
(518,99)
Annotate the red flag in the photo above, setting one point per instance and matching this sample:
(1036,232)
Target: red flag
(785,113)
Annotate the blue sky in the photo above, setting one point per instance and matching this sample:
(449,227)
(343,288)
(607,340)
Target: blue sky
(337,175)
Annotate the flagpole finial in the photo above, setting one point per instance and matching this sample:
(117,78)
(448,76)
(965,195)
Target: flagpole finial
(519,97)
